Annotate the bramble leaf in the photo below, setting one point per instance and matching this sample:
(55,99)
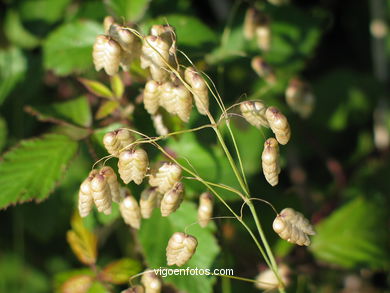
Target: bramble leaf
(106,109)
(119,271)
(117,86)
(97,88)
(30,171)
(129,10)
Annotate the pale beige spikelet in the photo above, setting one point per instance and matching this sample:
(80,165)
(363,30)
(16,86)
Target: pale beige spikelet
(199,89)
(267,280)
(300,98)
(106,54)
(117,141)
(254,113)
(205,209)
(167,33)
(130,211)
(263,69)
(112,181)
(172,199)
(155,55)
(134,289)
(133,165)
(85,203)
(270,161)
(148,202)
(293,227)
(181,247)
(159,126)
(263,36)
(107,22)
(278,124)
(251,21)
(152,96)
(101,194)
(125,138)
(177,100)
(166,177)
(151,282)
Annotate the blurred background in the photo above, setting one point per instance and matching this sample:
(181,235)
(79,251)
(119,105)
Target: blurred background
(335,170)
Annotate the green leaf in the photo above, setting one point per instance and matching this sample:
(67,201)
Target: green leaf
(155,233)
(45,10)
(62,277)
(3,133)
(16,33)
(106,109)
(69,48)
(210,163)
(76,111)
(117,86)
(97,88)
(353,235)
(13,66)
(31,170)
(119,271)
(130,10)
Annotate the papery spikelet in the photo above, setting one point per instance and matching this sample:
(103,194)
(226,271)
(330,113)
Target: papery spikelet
(148,202)
(270,161)
(155,55)
(85,203)
(101,194)
(117,140)
(300,98)
(293,227)
(166,177)
(130,211)
(152,96)
(199,89)
(279,125)
(151,282)
(263,36)
(167,33)
(132,165)
(267,280)
(254,113)
(180,249)
(159,126)
(176,99)
(205,209)
(112,181)
(106,54)
(135,289)
(263,69)
(107,22)
(251,22)
(172,199)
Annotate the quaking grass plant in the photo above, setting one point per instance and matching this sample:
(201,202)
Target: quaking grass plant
(173,87)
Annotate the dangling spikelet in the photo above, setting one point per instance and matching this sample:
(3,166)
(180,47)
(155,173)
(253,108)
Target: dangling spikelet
(254,113)
(267,279)
(263,69)
(300,98)
(117,140)
(125,137)
(279,125)
(176,99)
(85,198)
(130,211)
(148,202)
(172,199)
(167,33)
(166,177)
(107,22)
(270,161)
(251,22)
(132,165)
(152,96)
(101,194)
(112,181)
(181,247)
(106,54)
(151,282)
(159,125)
(263,34)
(199,88)
(293,227)
(135,289)
(205,209)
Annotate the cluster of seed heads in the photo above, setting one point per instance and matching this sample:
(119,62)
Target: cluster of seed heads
(293,227)
(180,248)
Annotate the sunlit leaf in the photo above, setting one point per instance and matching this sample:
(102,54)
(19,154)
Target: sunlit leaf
(3,133)
(107,108)
(129,10)
(45,10)
(97,88)
(119,272)
(77,284)
(117,86)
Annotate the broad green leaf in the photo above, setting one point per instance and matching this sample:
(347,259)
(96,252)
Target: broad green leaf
(190,31)
(109,219)
(117,86)
(82,241)
(13,66)
(107,108)
(353,235)
(129,10)
(31,170)
(16,33)
(119,271)
(77,284)
(76,111)
(45,10)
(155,233)
(98,287)
(210,163)
(62,277)
(68,49)
(3,133)
(97,88)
